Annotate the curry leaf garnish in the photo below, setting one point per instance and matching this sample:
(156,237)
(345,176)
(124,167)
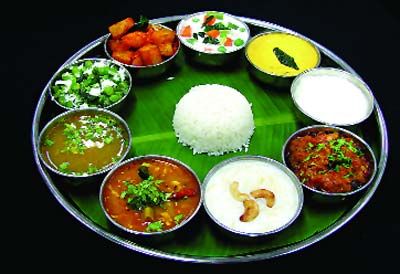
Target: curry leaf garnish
(142,24)
(143,172)
(285,59)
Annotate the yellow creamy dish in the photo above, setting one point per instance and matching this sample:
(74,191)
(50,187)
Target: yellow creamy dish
(282,54)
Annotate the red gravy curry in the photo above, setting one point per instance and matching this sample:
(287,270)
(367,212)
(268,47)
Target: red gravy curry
(329,161)
(151,195)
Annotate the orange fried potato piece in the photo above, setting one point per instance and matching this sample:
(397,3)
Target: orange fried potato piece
(125,57)
(162,36)
(135,39)
(150,54)
(166,49)
(120,28)
(117,45)
(137,60)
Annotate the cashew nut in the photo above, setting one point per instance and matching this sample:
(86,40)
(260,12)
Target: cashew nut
(266,194)
(251,210)
(237,195)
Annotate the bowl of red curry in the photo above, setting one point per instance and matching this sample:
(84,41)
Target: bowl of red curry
(329,161)
(150,195)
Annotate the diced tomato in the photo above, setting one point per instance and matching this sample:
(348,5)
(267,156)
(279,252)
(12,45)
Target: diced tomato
(186,31)
(211,21)
(184,192)
(228,42)
(213,33)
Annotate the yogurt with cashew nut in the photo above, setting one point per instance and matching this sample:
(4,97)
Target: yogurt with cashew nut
(252,174)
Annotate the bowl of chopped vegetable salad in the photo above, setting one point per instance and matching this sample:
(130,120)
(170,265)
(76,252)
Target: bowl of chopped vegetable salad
(91,82)
(212,37)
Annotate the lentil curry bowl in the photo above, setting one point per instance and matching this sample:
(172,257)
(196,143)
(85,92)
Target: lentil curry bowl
(330,160)
(84,142)
(150,195)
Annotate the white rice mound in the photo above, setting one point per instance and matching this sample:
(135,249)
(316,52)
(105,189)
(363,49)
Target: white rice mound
(213,119)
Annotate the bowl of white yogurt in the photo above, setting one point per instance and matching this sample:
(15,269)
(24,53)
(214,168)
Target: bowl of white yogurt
(252,196)
(332,96)
(212,37)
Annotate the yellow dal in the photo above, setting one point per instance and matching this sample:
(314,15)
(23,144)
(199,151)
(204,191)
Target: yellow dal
(260,53)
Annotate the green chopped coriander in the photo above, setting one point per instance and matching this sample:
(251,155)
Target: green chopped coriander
(92,169)
(63,167)
(178,218)
(195,20)
(48,142)
(145,193)
(155,226)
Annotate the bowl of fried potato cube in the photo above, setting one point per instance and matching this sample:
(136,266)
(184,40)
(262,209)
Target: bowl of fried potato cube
(146,49)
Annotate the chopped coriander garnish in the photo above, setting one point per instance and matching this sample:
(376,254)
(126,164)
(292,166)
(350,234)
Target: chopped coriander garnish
(155,226)
(146,193)
(92,169)
(195,20)
(48,142)
(63,167)
(178,218)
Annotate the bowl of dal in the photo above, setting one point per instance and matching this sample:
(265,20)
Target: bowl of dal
(212,38)
(276,58)
(252,196)
(82,143)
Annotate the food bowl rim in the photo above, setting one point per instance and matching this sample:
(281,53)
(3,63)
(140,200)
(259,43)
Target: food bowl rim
(61,70)
(280,166)
(90,109)
(138,158)
(307,40)
(105,47)
(354,79)
(352,134)
(178,27)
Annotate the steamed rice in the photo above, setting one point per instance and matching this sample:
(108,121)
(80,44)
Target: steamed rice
(213,119)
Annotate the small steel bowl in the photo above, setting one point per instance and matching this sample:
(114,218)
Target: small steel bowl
(334,108)
(211,58)
(114,106)
(324,196)
(149,71)
(270,77)
(83,177)
(141,159)
(268,161)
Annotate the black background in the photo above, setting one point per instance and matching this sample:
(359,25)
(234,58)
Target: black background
(39,38)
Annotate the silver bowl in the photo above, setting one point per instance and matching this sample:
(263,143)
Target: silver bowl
(149,71)
(269,77)
(324,196)
(269,161)
(83,177)
(309,118)
(139,158)
(113,107)
(210,58)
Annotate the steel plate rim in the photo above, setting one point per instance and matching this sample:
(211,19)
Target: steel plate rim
(285,250)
